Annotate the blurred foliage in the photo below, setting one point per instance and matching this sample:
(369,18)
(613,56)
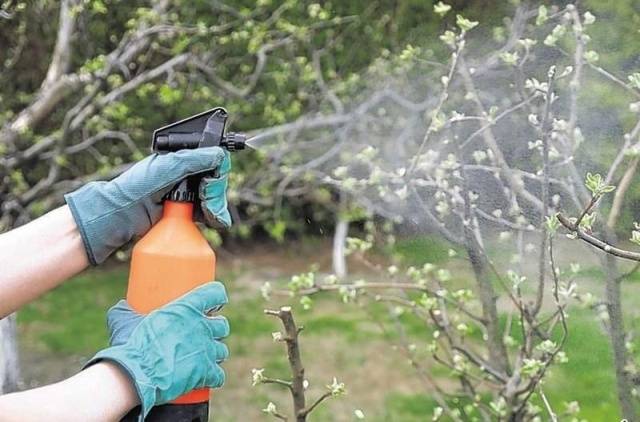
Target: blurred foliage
(355,38)
(351,36)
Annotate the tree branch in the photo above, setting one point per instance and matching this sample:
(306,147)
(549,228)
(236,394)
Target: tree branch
(295,361)
(594,241)
(61,58)
(319,400)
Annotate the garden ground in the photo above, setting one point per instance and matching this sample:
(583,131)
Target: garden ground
(61,330)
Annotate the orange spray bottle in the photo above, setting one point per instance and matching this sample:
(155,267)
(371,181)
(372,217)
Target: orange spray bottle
(174,257)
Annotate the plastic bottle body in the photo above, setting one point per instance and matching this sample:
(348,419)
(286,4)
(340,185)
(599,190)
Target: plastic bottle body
(169,261)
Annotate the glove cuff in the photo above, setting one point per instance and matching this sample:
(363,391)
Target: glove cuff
(144,388)
(106,218)
(75,213)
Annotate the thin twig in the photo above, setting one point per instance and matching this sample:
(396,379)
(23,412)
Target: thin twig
(320,399)
(545,132)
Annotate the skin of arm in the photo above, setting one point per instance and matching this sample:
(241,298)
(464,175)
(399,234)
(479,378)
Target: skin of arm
(100,393)
(39,256)
(36,258)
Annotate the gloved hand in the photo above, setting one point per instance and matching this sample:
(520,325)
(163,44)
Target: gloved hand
(109,214)
(172,350)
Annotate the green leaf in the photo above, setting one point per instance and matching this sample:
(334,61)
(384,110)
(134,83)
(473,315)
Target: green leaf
(169,95)
(277,230)
(634,80)
(589,18)
(555,35)
(591,56)
(449,38)
(465,24)
(510,59)
(543,15)
(635,237)
(98,7)
(596,186)
(588,220)
(441,8)
(552,223)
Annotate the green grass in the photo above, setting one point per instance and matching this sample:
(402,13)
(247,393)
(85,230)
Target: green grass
(422,249)
(588,377)
(408,407)
(71,318)
(346,325)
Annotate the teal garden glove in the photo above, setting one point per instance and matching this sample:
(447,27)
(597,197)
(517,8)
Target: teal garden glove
(109,214)
(172,350)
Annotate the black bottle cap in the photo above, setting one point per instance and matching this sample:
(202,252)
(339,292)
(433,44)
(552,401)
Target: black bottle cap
(183,191)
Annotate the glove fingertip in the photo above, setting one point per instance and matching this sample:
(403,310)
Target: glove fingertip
(116,311)
(207,296)
(222,351)
(213,155)
(220,219)
(122,304)
(219,288)
(218,377)
(225,218)
(219,325)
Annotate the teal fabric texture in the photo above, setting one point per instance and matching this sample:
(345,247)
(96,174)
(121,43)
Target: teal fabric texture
(172,350)
(213,195)
(109,214)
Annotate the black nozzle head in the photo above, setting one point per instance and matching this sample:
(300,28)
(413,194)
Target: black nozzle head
(200,131)
(234,141)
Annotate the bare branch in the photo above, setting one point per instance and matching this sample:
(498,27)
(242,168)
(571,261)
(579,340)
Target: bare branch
(295,361)
(594,241)
(278,381)
(45,101)
(61,58)
(545,133)
(319,400)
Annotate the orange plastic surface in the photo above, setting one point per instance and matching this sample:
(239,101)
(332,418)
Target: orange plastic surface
(170,260)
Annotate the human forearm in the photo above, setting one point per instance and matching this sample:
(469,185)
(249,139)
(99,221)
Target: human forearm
(101,392)
(37,257)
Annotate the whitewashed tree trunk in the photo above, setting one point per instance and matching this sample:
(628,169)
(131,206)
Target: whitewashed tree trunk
(339,245)
(9,365)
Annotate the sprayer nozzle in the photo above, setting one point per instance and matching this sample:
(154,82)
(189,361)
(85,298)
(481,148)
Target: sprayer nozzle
(234,141)
(202,130)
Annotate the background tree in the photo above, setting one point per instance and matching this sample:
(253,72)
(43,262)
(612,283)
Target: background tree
(498,153)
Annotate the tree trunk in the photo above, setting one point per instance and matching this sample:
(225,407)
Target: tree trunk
(617,333)
(497,350)
(339,244)
(9,365)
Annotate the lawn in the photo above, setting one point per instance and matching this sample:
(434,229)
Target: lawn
(60,330)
